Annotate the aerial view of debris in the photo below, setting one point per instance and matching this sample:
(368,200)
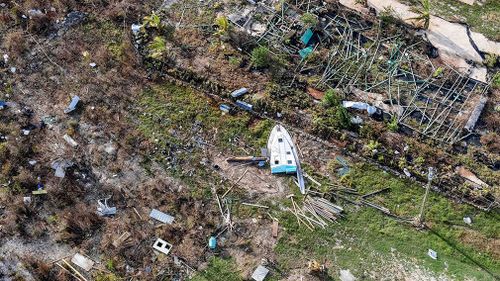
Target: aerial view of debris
(266,140)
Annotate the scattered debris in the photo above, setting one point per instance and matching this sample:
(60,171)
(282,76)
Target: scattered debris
(60,166)
(476,113)
(72,106)
(344,170)
(360,105)
(260,273)
(246,159)
(225,108)
(433,254)
(239,92)
(346,275)
(32,162)
(212,242)
(162,246)
(275,228)
(244,105)
(316,94)
(82,261)
(103,209)
(122,238)
(468,220)
(70,140)
(27,200)
(407,172)
(254,205)
(468,175)
(162,217)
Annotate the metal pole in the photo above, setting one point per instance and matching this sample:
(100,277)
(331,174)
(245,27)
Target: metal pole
(430,175)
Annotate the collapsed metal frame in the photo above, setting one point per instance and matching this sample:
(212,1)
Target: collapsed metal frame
(435,102)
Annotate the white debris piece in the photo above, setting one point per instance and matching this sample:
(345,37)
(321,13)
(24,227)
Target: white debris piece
(93,64)
(467,220)
(162,246)
(27,200)
(70,140)
(32,162)
(260,273)
(82,262)
(162,217)
(407,173)
(136,28)
(6,58)
(433,254)
(346,275)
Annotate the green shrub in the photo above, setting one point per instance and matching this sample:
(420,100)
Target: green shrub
(309,20)
(393,125)
(157,48)
(261,57)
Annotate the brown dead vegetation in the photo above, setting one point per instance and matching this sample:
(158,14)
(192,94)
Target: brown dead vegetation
(15,43)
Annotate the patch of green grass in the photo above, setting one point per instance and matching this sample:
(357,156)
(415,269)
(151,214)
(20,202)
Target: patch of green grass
(366,239)
(483,18)
(219,269)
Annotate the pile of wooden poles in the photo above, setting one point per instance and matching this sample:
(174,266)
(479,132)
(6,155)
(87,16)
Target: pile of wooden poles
(316,211)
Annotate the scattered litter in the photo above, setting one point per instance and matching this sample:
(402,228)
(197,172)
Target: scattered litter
(82,262)
(103,209)
(162,246)
(307,37)
(239,92)
(466,174)
(344,170)
(254,205)
(3,104)
(27,200)
(306,52)
(407,173)
(136,28)
(246,159)
(260,273)
(162,217)
(72,106)
(316,94)
(32,162)
(70,140)
(25,132)
(225,108)
(356,120)
(118,241)
(39,192)
(212,242)
(360,105)
(13,69)
(49,120)
(433,254)
(92,64)
(244,105)
(467,220)
(60,166)
(346,275)
(6,58)
(275,228)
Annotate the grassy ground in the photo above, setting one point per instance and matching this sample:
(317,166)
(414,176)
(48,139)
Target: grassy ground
(365,241)
(484,18)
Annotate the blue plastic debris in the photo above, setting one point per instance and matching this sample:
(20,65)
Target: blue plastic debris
(345,167)
(212,242)
(72,105)
(225,108)
(307,36)
(244,105)
(3,104)
(306,52)
(239,92)
(261,164)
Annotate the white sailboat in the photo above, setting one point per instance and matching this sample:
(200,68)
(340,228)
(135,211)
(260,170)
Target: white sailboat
(283,156)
